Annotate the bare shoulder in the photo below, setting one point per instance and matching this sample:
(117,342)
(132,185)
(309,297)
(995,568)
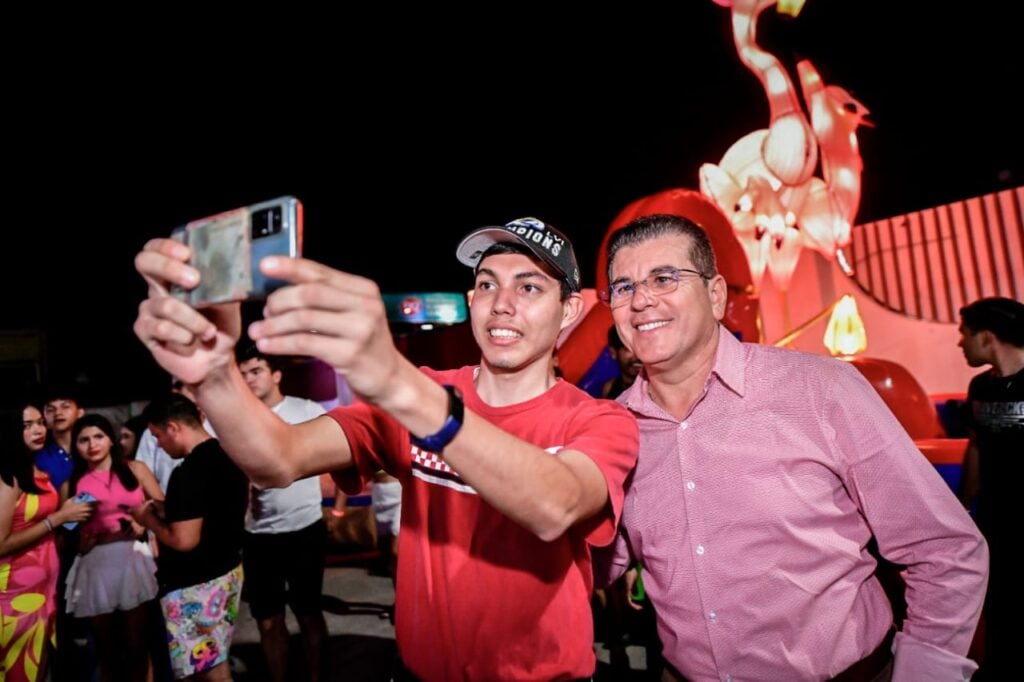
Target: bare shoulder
(138,467)
(9,493)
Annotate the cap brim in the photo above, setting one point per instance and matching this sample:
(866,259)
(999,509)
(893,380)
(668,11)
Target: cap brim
(478,241)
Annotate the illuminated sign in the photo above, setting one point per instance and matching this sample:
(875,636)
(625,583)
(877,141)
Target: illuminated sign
(426,308)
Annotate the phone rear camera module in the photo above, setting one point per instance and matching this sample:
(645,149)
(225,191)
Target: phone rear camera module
(266,222)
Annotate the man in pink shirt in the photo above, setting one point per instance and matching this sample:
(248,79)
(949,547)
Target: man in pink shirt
(763,475)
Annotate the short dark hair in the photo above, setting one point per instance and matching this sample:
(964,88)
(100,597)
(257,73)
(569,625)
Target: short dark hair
(614,341)
(64,390)
(173,407)
(247,350)
(649,227)
(1004,317)
(499,248)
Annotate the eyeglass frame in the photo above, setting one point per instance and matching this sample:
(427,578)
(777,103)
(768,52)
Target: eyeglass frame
(673,273)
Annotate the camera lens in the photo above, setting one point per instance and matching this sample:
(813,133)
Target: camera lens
(266,222)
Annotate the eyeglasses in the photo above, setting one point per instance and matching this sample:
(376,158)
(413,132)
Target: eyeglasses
(664,281)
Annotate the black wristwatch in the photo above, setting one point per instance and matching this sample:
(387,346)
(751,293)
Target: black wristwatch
(456,410)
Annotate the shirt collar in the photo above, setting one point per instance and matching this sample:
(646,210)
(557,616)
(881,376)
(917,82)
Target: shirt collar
(729,367)
(730,361)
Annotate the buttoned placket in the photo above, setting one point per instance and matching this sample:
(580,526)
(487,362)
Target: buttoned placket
(695,516)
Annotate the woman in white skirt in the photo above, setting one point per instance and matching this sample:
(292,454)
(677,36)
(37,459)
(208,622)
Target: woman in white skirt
(114,574)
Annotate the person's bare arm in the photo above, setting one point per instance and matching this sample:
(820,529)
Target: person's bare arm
(545,493)
(340,318)
(180,535)
(14,542)
(197,347)
(150,486)
(271,452)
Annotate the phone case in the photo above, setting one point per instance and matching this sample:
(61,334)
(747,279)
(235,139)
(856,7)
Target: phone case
(228,247)
(80,497)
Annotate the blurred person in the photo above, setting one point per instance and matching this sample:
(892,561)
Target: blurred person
(129,434)
(113,576)
(992,333)
(62,407)
(152,455)
(386,500)
(60,410)
(628,365)
(199,528)
(30,511)
(763,476)
(627,620)
(508,474)
(286,537)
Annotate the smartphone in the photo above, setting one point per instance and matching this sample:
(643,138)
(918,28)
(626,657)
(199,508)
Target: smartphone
(227,249)
(80,497)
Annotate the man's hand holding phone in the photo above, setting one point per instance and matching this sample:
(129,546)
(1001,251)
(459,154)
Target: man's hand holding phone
(208,266)
(336,317)
(188,344)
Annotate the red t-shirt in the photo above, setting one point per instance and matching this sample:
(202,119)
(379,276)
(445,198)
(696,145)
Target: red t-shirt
(479,596)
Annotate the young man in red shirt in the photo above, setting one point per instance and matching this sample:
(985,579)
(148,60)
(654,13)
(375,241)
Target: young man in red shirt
(509,474)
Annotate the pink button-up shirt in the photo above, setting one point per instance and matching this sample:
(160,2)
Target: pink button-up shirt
(751,517)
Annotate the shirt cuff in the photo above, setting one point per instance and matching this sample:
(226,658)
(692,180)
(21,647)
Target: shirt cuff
(915,660)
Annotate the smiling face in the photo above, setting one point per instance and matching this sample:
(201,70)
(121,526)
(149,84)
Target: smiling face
(33,429)
(93,446)
(663,331)
(516,313)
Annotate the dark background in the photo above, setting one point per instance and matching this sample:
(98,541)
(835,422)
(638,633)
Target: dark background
(403,128)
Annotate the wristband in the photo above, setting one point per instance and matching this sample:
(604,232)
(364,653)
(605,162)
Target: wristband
(49,524)
(456,411)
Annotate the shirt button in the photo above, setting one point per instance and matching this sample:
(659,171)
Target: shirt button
(700,549)
(712,615)
(684,426)
(690,485)
(728,678)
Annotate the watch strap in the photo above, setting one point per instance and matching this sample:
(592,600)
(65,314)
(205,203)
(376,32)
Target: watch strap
(436,442)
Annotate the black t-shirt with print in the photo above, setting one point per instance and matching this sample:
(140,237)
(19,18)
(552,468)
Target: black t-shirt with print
(207,485)
(996,415)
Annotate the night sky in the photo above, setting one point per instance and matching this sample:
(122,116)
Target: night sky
(405,128)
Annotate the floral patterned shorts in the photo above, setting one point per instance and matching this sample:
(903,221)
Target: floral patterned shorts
(200,622)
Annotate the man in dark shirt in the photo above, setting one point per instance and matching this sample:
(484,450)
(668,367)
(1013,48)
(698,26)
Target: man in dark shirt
(992,333)
(200,529)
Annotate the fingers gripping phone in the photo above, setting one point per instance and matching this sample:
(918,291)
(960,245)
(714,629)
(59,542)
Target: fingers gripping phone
(227,249)
(80,497)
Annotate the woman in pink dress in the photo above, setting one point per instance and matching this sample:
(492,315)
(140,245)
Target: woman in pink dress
(114,574)
(28,557)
